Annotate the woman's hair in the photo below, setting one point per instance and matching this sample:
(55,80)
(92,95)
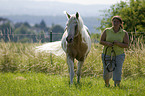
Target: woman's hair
(120,19)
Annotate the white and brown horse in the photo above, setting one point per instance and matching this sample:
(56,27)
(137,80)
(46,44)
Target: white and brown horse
(76,43)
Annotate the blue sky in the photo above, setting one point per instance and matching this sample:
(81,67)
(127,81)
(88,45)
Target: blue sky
(86,2)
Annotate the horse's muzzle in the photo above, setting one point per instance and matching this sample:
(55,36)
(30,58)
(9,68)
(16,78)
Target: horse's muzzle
(69,39)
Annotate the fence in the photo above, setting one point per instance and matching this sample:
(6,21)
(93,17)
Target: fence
(31,38)
(51,36)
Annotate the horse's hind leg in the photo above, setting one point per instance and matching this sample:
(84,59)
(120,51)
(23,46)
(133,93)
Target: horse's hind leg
(80,64)
(70,63)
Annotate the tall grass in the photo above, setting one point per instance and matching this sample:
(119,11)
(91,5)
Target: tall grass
(19,57)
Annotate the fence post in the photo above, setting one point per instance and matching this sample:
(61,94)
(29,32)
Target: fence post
(51,53)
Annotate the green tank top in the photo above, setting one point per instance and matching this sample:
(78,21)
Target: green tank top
(110,37)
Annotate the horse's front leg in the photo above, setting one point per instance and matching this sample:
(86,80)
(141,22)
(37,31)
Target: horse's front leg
(70,62)
(80,64)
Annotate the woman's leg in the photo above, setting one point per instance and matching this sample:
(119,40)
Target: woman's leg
(106,75)
(118,69)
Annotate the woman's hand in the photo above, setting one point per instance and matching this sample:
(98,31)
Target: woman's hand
(121,44)
(116,42)
(110,44)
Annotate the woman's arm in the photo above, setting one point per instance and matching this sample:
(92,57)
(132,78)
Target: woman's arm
(103,40)
(125,43)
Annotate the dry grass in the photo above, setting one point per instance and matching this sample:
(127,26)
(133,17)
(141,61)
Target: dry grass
(18,57)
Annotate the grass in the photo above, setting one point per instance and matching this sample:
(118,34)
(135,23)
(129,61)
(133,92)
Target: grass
(18,57)
(40,84)
(25,73)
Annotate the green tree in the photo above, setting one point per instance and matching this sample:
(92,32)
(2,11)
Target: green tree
(57,32)
(41,37)
(132,13)
(24,34)
(6,31)
(42,26)
(95,37)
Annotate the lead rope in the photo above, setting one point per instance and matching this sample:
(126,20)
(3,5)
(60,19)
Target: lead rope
(110,59)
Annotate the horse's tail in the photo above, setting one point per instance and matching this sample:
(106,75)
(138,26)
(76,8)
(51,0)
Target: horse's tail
(52,47)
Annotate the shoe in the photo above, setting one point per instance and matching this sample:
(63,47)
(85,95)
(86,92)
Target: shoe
(107,85)
(117,85)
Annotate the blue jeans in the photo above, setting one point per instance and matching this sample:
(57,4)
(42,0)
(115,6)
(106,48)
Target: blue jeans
(118,69)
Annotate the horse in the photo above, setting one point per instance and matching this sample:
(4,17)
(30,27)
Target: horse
(76,43)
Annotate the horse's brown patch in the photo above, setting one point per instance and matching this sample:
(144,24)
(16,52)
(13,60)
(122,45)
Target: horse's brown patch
(77,49)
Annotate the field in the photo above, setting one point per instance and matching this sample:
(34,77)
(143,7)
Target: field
(40,84)
(27,73)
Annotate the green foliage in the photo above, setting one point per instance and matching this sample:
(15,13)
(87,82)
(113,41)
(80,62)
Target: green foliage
(24,32)
(42,26)
(6,29)
(132,13)
(95,37)
(58,30)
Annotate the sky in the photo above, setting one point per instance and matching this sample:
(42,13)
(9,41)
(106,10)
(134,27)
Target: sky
(44,7)
(87,2)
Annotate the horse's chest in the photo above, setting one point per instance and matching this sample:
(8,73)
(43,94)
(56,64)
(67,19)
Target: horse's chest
(77,51)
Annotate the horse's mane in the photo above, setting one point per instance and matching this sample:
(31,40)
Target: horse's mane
(81,23)
(83,29)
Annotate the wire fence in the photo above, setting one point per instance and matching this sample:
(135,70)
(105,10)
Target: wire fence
(31,38)
(51,36)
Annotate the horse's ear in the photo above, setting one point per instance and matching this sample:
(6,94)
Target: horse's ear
(77,15)
(68,16)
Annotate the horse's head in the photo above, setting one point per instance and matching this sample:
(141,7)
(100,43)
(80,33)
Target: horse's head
(72,27)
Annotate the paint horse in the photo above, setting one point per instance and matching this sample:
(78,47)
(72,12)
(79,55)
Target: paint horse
(76,43)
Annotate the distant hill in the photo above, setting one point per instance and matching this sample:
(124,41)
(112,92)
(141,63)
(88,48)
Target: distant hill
(50,11)
(47,8)
(90,22)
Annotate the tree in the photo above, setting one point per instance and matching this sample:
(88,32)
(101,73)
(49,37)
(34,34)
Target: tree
(57,32)
(6,31)
(24,34)
(132,13)
(41,37)
(42,26)
(95,37)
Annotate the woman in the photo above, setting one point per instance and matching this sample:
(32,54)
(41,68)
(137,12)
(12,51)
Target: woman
(119,39)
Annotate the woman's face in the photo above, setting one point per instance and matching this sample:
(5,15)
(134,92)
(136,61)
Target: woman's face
(116,23)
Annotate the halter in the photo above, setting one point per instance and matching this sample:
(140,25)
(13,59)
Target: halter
(110,59)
